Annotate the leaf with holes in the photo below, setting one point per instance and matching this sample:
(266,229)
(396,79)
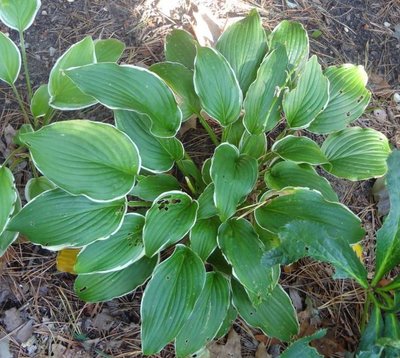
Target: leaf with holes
(98,160)
(217,87)
(310,97)
(100,287)
(180,47)
(118,251)
(348,98)
(10,60)
(243,250)
(244,45)
(207,316)
(356,153)
(19,14)
(264,98)
(131,88)
(169,219)
(170,297)
(108,50)
(56,220)
(64,94)
(203,236)
(150,187)
(299,150)
(37,186)
(234,176)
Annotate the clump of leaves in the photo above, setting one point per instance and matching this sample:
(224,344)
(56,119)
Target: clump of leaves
(210,247)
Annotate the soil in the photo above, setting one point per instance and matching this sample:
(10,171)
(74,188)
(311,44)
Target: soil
(56,323)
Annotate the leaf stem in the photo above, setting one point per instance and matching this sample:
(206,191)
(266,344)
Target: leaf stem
(364,316)
(25,64)
(21,103)
(209,130)
(12,154)
(139,204)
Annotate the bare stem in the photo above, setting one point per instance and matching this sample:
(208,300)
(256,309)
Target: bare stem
(209,130)
(25,64)
(21,103)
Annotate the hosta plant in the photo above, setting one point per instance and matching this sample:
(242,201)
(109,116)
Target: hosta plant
(207,243)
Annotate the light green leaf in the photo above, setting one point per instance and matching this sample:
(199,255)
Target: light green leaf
(19,14)
(131,88)
(157,154)
(295,39)
(356,153)
(234,176)
(309,98)
(150,187)
(56,220)
(348,98)
(10,60)
(108,50)
(207,316)
(180,79)
(64,94)
(244,45)
(243,250)
(180,46)
(301,348)
(170,297)
(98,160)
(284,174)
(275,315)
(118,251)
(299,150)
(100,287)
(8,196)
(388,236)
(169,219)
(40,102)
(253,144)
(227,324)
(263,100)
(7,237)
(207,207)
(306,238)
(308,205)
(205,171)
(203,237)
(37,186)
(216,85)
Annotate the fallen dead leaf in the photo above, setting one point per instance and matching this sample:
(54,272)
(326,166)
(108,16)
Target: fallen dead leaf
(5,348)
(232,348)
(12,319)
(103,321)
(262,351)
(205,27)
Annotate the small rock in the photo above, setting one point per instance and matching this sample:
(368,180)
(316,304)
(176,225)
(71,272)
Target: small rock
(44,12)
(387,24)
(396,97)
(70,0)
(52,51)
(346,29)
(380,114)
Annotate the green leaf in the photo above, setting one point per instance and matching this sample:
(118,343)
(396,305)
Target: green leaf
(308,205)
(98,160)
(294,37)
(356,153)
(348,98)
(25,128)
(309,98)
(37,186)
(120,250)
(253,144)
(234,176)
(243,250)
(207,207)
(234,132)
(131,88)
(207,316)
(108,50)
(275,315)
(301,348)
(244,45)
(170,297)
(284,174)
(100,287)
(373,330)
(180,46)
(216,85)
(304,238)
(392,326)
(299,150)
(19,14)
(217,260)
(169,219)
(7,237)
(203,237)
(64,94)
(227,324)
(205,171)
(10,60)
(157,154)
(56,220)
(388,236)
(263,100)
(40,102)
(150,187)
(180,79)
(8,196)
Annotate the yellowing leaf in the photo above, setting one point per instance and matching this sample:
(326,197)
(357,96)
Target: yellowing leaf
(66,260)
(358,249)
